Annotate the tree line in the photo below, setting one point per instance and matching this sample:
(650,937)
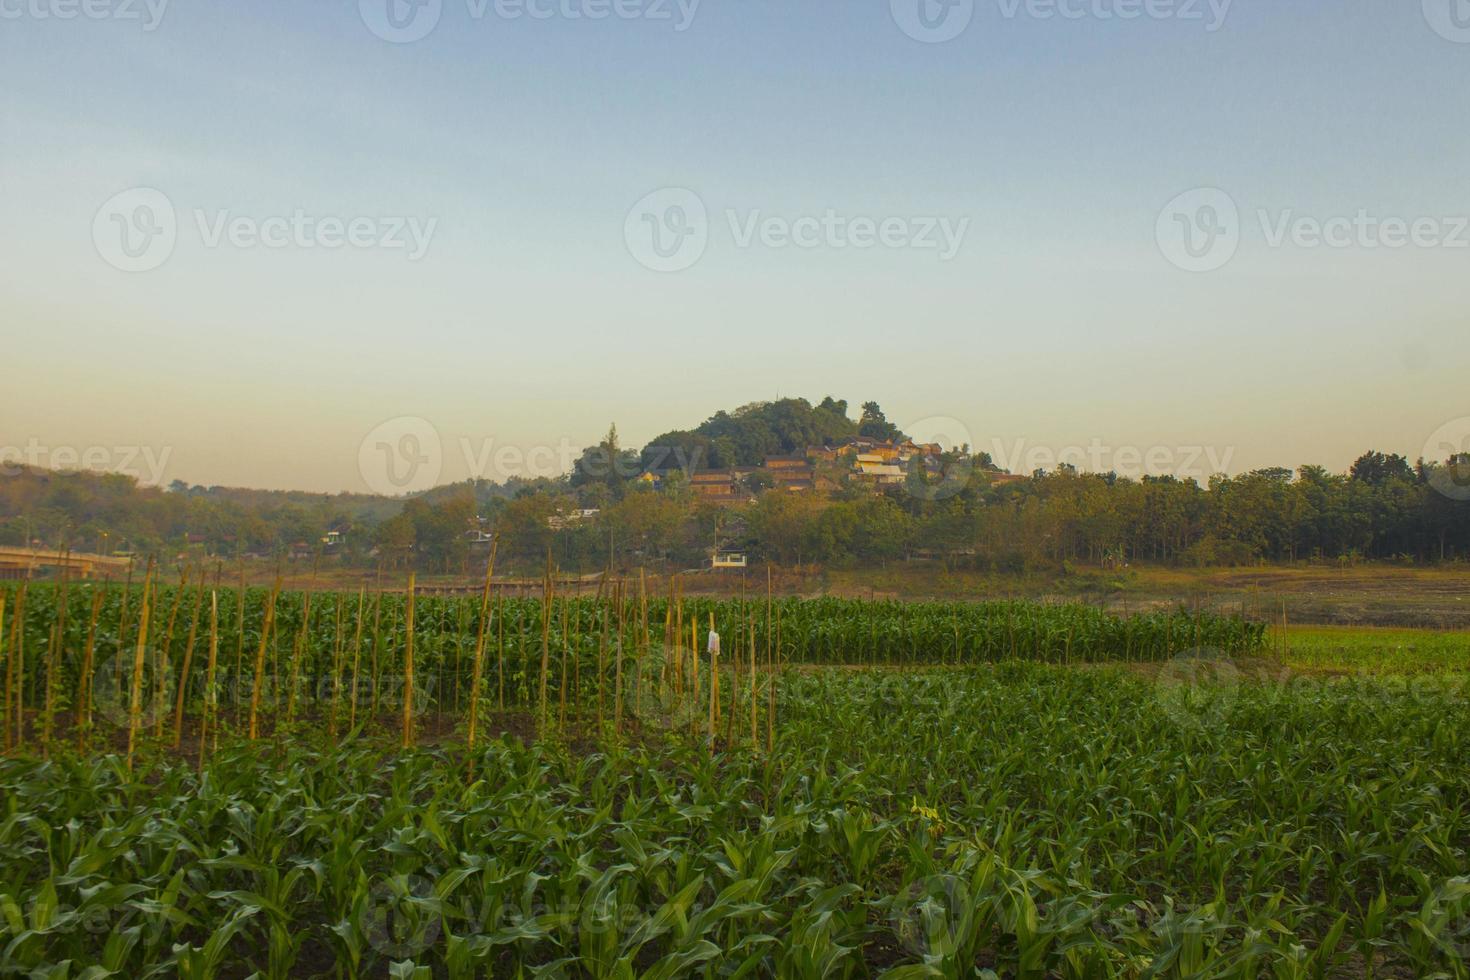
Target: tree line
(1384,508)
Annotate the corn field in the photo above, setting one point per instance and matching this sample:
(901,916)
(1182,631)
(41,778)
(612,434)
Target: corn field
(1017,820)
(247,660)
(203,781)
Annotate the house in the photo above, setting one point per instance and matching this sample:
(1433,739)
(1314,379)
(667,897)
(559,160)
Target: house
(878,473)
(887,452)
(793,473)
(728,559)
(721,486)
(855,445)
(713,483)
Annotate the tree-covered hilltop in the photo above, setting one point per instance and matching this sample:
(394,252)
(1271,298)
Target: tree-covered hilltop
(746,436)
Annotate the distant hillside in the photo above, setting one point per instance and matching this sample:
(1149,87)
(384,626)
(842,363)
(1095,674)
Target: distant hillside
(758,479)
(112,512)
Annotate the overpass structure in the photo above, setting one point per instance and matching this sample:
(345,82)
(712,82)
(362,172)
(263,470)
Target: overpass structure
(23,562)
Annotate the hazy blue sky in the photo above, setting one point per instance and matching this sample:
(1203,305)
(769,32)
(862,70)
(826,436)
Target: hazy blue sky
(519,147)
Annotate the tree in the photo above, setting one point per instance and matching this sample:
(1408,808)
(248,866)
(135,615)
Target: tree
(524,532)
(1379,468)
(395,538)
(679,451)
(606,463)
(647,522)
(779,523)
(875,425)
(440,528)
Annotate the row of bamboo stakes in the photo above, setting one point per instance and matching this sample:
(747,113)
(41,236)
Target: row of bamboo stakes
(679,672)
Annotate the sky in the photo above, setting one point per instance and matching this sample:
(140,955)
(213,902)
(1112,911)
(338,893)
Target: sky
(284,244)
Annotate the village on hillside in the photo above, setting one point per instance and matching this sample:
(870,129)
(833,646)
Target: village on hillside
(859,461)
(855,463)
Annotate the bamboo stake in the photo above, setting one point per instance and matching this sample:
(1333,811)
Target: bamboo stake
(500,646)
(408,669)
(478,668)
(122,629)
(188,662)
(259,677)
(84,693)
(211,696)
(296,650)
(714,688)
(135,702)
